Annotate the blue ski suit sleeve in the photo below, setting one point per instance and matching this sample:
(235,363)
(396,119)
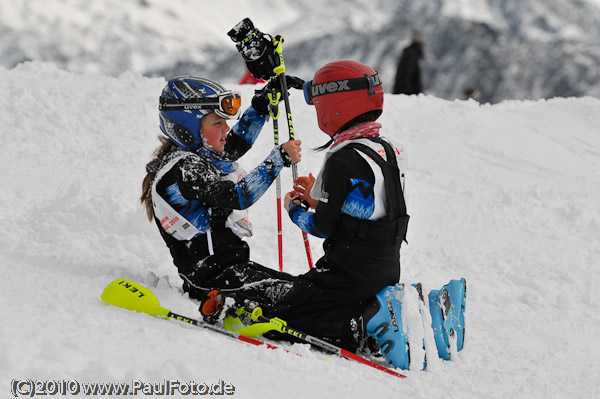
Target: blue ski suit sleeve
(304,219)
(244,133)
(348,182)
(200,181)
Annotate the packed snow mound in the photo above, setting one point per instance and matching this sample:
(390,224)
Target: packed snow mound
(504,195)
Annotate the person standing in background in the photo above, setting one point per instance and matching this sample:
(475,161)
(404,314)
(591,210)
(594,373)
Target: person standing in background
(408,74)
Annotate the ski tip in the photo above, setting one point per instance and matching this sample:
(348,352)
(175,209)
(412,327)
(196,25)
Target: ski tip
(130,295)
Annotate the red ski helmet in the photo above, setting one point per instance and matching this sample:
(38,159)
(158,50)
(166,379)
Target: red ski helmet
(341,91)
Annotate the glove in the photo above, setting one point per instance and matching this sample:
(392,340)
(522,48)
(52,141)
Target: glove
(256,48)
(212,306)
(260,102)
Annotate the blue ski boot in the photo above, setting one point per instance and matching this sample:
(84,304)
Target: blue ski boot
(447,308)
(384,323)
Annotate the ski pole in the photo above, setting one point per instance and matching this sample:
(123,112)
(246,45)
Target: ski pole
(282,327)
(274,97)
(280,71)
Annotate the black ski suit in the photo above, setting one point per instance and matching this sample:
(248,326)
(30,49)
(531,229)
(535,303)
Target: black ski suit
(362,248)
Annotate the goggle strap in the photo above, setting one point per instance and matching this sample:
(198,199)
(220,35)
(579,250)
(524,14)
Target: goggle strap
(169,104)
(368,82)
(195,103)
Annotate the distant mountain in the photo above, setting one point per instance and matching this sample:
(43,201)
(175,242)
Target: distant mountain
(508,49)
(514,50)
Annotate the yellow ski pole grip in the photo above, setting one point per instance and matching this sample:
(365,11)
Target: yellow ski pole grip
(278,51)
(274,97)
(274,100)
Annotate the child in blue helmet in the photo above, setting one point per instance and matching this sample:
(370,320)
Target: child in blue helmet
(197,194)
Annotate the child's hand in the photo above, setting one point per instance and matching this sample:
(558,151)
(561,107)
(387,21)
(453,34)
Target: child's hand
(288,198)
(302,187)
(293,148)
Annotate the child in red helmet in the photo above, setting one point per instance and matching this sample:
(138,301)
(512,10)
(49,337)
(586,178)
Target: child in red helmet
(353,295)
(355,203)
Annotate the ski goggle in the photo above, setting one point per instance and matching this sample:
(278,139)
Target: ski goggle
(226,105)
(368,82)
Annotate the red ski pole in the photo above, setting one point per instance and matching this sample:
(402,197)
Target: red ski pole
(255,47)
(280,71)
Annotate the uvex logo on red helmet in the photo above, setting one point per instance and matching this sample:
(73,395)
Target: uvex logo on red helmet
(337,86)
(329,87)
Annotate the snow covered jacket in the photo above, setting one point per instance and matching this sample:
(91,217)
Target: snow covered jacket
(197,196)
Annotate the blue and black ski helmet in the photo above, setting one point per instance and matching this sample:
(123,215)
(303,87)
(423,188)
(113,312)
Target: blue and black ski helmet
(185,100)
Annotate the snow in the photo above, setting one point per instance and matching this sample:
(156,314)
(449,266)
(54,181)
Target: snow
(504,195)
(470,10)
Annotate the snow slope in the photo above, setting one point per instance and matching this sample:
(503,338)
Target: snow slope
(504,195)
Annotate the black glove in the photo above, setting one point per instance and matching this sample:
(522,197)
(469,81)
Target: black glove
(260,102)
(257,49)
